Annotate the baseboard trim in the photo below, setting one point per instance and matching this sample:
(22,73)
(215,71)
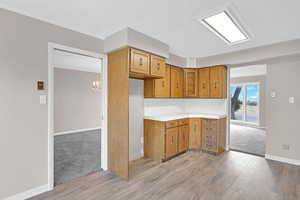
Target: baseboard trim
(29,193)
(76,131)
(283,160)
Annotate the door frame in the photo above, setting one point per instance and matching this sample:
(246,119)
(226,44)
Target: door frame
(104,142)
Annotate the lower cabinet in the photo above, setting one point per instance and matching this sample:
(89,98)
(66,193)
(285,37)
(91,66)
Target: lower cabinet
(214,135)
(195,136)
(163,140)
(171,142)
(183,138)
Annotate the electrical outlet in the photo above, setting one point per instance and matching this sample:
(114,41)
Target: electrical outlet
(142,140)
(286,147)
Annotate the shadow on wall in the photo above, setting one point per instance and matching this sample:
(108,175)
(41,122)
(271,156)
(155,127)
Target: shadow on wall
(76,155)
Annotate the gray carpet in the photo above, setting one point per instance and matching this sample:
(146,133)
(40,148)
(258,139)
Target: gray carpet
(246,139)
(76,155)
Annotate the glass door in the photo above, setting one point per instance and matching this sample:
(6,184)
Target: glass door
(245,102)
(237,102)
(252,99)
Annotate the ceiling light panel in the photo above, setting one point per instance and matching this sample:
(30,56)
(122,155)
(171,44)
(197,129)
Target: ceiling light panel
(225,27)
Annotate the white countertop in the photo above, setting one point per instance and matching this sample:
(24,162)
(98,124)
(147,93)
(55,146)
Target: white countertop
(182,116)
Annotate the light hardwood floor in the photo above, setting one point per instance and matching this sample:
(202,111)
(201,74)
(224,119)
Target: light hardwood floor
(193,175)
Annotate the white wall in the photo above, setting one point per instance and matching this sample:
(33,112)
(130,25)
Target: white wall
(154,107)
(23,121)
(258,54)
(76,104)
(133,38)
(283,117)
(176,60)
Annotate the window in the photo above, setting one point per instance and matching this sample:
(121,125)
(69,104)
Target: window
(223,25)
(245,102)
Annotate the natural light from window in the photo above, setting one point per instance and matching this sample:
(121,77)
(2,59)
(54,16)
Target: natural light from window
(223,25)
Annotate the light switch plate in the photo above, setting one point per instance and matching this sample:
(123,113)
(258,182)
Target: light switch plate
(291,100)
(273,94)
(43,99)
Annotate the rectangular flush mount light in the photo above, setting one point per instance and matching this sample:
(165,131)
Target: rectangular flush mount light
(225,27)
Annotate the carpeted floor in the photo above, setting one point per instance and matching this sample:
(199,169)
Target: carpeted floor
(246,139)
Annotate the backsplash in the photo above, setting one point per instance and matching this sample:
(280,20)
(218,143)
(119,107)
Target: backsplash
(209,106)
(154,107)
(163,106)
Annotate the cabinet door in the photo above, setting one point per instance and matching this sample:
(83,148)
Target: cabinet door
(195,133)
(139,62)
(210,135)
(190,82)
(203,86)
(162,86)
(176,82)
(171,142)
(158,66)
(183,138)
(218,80)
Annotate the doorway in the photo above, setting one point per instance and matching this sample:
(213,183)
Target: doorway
(247,113)
(77,107)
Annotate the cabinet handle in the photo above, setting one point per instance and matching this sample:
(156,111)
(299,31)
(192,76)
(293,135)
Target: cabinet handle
(141,61)
(163,83)
(177,85)
(172,140)
(203,85)
(215,83)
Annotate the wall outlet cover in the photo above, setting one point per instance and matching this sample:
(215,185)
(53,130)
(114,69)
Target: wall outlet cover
(286,147)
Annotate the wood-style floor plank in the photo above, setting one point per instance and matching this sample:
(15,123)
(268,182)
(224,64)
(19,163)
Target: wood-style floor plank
(191,176)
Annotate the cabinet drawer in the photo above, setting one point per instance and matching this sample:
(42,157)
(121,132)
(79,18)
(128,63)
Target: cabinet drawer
(210,143)
(171,124)
(158,66)
(182,122)
(139,62)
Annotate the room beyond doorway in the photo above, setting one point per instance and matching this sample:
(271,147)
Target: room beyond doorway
(247,120)
(71,136)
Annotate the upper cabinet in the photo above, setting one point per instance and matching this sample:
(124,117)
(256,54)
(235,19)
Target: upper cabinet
(139,62)
(203,84)
(218,82)
(158,66)
(176,82)
(190,83)
(158,88)
(143,65)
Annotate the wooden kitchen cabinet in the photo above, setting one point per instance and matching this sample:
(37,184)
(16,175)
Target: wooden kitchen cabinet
(195,136)
(158,88)
(165,139)
(176,82)
(203,83)
(139,62)
(183,138)
(218,82)
(190,83)
(214,135)
(157,66)
(171,142)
